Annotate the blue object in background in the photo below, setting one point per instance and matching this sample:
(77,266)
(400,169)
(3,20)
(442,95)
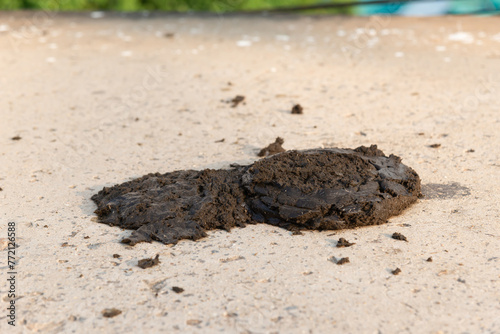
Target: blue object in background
(431,8)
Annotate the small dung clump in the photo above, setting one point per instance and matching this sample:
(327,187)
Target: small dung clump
(399,236)
(317,189)
(297,110)
(272,148)
(236,100)
(343,260)
(110,312)
(149,262)
(396,271)
(177,289)
(344,243)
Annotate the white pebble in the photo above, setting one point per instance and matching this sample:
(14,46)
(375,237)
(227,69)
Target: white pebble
(282,38)
(461,36)
(244,43)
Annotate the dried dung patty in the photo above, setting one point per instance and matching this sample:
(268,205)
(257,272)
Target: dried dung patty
(321,189)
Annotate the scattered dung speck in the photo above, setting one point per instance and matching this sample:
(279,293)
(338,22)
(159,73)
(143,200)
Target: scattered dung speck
(272,148)
(396,271)
(116,256)
(169,35)
(236,100)
(317,189)
(230,259)
(220,140)
(435,145)
(343,260)
(429,259)
(297,109)
(344,243)
(399,236)
(176,289)
(442,272)
(193,322)
(148,263)
(16,138)
(470,151)
(110,312)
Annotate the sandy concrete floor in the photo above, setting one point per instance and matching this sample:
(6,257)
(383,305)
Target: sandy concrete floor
(100,100)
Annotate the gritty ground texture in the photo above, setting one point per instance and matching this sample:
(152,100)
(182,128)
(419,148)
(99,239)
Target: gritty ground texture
(95,102)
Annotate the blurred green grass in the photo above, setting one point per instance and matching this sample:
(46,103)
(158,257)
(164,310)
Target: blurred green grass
(166,5)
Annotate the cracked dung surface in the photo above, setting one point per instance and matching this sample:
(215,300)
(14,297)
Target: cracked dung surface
(320,189)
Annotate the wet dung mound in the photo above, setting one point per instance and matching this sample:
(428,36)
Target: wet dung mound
(298,190)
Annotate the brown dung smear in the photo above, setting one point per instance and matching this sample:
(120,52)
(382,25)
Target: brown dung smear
(444,191)
(318,189)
